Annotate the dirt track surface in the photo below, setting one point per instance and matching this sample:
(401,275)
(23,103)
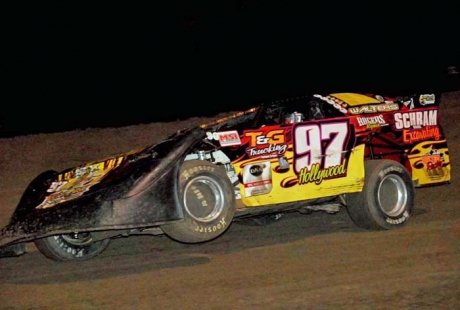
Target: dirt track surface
(317,261)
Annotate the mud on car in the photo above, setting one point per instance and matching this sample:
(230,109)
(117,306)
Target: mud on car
(363,153)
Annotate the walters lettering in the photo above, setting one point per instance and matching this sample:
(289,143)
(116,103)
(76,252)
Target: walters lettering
(317,175)
(374,108)
(413,135)
(416,119)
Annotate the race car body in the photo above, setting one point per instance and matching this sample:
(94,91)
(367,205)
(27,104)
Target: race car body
(362,152)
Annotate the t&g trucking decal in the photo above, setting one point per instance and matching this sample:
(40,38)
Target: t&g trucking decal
(266,142)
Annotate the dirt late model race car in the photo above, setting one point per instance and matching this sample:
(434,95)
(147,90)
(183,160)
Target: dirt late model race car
(359,152)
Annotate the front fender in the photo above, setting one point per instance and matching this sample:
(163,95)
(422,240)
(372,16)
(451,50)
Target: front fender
(148,199)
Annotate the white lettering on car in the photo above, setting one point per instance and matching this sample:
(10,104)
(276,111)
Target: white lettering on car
(416,119)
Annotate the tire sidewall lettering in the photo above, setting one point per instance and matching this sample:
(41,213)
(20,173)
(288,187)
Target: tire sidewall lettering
(189,173)
(211,228)
(70,250)
(398,220)
(392,169)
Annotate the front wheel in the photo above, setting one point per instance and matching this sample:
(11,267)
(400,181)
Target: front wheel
(71,247)
(387,199)
(207,199)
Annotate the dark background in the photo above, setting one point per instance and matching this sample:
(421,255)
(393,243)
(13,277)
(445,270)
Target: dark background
(68,65)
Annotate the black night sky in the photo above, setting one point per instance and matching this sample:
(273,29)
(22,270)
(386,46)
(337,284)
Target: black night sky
(79,64)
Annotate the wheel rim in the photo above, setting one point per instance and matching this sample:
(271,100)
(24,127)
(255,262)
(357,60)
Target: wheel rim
(203,199)
(77,239)
(392,195)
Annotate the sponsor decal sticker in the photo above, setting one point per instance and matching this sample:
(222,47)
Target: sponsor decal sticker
(433,162)
(225,138)
(257,179)
(427,99)
(417,119)
(266,143)
(371,122)
(414,135)
(374,108)
(76,182)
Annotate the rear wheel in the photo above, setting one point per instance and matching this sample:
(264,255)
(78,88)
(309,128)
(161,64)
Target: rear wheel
(71,247)
(387,199)
(207,199)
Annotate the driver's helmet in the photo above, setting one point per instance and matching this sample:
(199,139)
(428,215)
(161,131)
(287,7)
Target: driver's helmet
(294,118)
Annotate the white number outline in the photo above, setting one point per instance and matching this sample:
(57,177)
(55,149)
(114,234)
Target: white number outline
(307,134)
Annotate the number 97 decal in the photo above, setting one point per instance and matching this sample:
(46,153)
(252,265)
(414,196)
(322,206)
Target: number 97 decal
(320,144)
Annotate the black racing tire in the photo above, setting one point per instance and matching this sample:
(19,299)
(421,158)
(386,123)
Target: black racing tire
(207,199)
(71,247)
(387,199)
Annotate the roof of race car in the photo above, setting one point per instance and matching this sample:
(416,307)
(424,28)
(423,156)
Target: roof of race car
(353,99)
(350,99)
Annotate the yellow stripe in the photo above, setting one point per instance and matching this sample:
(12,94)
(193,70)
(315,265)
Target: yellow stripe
(353,99)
